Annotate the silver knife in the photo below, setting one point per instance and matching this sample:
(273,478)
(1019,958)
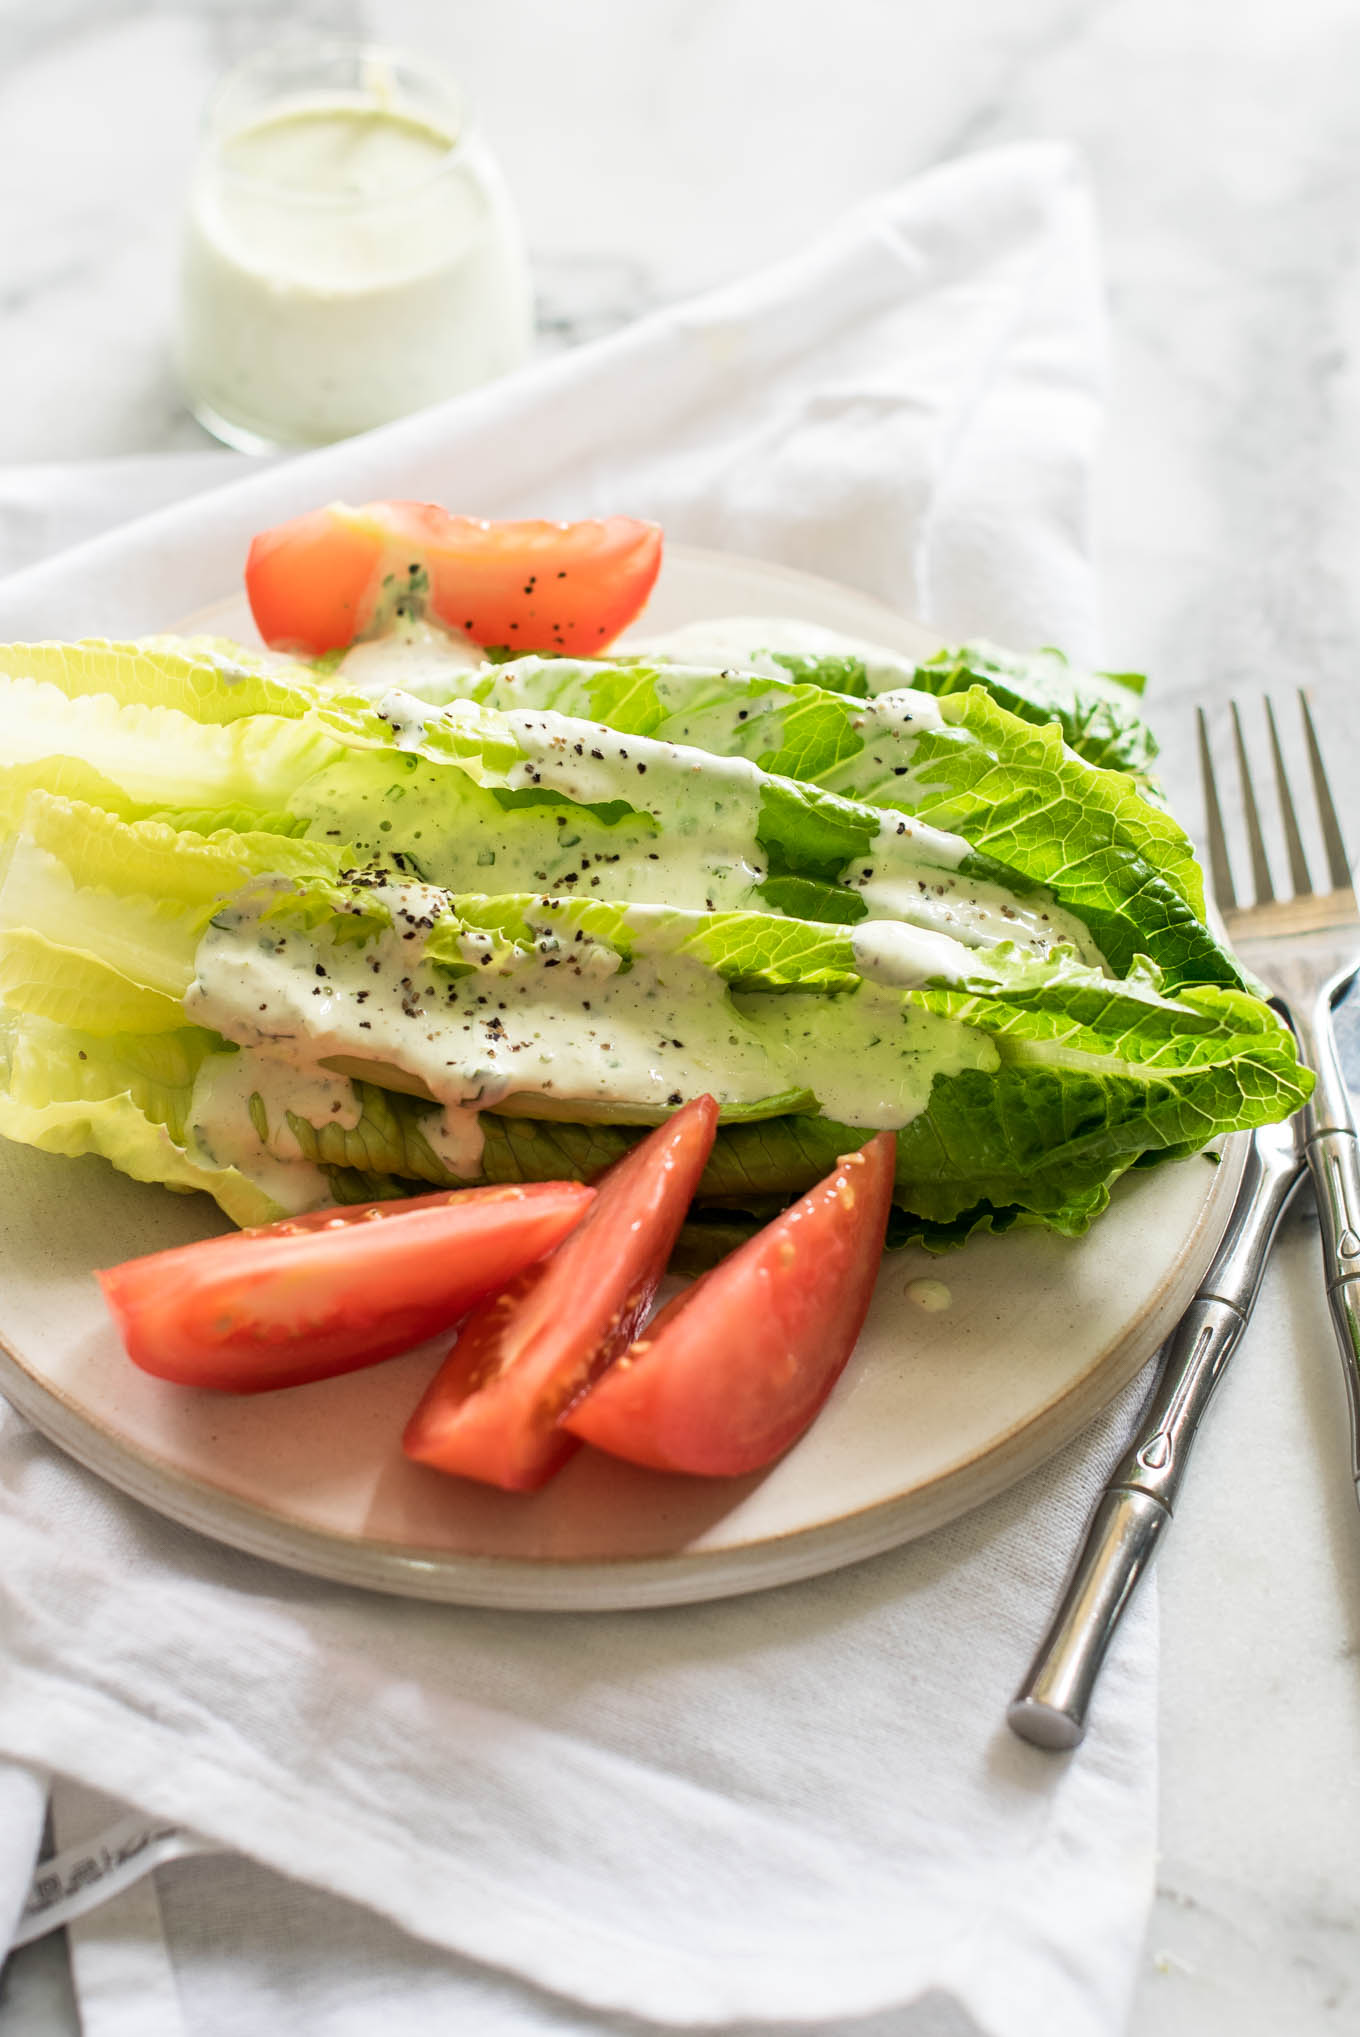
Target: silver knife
(1050,1707)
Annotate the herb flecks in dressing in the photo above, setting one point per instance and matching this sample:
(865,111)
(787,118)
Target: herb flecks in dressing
(560,1016)
(238,1117)
(722,820)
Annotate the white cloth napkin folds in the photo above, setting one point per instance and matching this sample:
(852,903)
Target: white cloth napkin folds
(798,1807)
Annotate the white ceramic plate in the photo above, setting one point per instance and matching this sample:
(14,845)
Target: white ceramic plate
(936,1411)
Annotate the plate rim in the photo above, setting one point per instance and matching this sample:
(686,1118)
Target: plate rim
(574,1584)
(696,1576)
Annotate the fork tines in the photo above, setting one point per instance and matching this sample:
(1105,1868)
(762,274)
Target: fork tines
(1220,868)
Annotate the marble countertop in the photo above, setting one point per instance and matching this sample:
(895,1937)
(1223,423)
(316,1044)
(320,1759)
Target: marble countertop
(1224,147)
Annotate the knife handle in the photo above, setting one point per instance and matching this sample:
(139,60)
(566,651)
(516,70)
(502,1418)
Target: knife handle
(1334,1156)
(1050,1708)
(1335,1160)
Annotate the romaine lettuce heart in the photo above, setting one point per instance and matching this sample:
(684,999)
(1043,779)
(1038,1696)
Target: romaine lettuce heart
(876,949)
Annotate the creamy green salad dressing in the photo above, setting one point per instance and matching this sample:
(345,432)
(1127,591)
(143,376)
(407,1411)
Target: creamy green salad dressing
(595,1032)
(239,1117)
(417,666)
(418,656)
(752,643)
(709,809)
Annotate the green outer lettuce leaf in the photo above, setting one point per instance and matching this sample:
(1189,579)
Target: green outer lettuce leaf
(983,1156)
(172,864)
(1096,712)
(163,756)
(1034,1141)
(749,950)
(1098,718)
(648,791)
(75,989)
(766,1161)
(1122,865)
(1010,788)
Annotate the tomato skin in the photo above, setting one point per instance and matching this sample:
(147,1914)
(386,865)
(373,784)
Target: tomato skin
(315,583)
(733,1370)
(331,1291)
(492,1411)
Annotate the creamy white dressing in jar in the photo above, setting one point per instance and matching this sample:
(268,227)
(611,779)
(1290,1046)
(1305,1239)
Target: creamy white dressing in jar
(350,252)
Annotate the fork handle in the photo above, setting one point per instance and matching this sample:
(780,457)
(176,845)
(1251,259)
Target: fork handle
(1333,1150)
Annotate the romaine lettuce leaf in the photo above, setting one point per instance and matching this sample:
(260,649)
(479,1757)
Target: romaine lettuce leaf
(963,764)
(1037,1138)
(160,757)
(100,917)
(74,988)
(1029,1143)
(208,678)
(125,1097)
(1097,711)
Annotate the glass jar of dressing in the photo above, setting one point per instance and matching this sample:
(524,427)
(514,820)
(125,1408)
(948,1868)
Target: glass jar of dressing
(350,253)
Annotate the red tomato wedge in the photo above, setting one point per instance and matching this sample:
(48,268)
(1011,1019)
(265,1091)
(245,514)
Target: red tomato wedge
(492,1410)
(334,1290)
(316,584)
(736,1367)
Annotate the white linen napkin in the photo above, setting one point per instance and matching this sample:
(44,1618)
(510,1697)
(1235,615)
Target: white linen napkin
(53,506)
(795,1808)
(23,1806)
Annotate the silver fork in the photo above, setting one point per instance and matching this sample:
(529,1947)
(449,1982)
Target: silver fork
(1306,948)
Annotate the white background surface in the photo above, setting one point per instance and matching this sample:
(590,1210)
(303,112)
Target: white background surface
(661,145)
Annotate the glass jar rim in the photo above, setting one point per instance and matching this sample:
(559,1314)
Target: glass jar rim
(381,57)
